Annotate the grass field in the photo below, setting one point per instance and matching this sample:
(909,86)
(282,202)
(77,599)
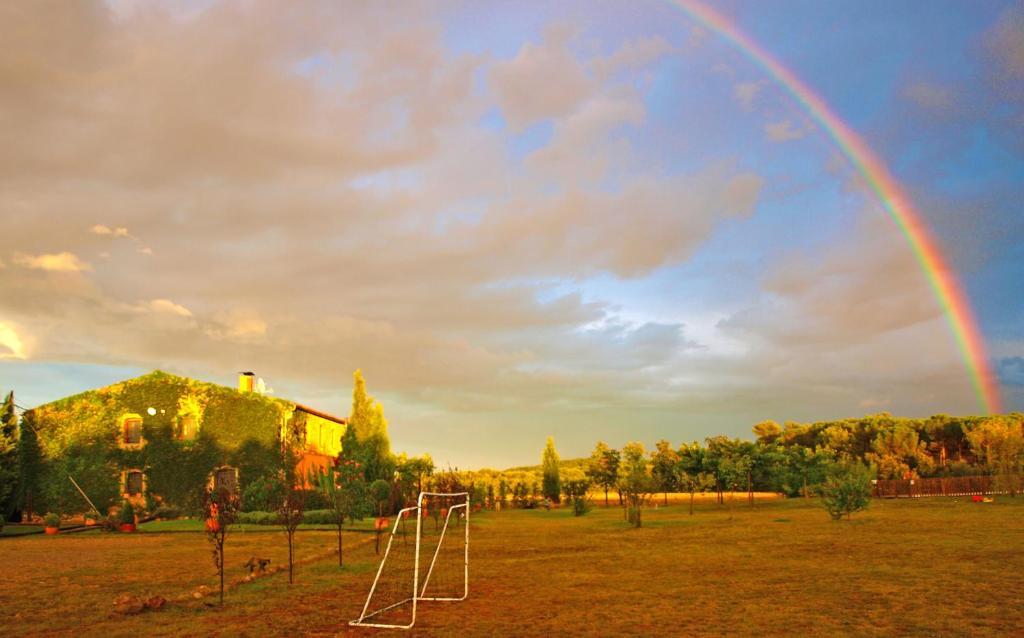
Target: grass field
(921,568)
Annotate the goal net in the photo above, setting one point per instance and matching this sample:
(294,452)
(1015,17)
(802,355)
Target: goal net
(426,558)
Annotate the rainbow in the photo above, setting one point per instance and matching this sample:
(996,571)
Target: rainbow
(956,307)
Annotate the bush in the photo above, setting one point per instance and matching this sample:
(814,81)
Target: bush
(262,494)
(576,492)
(258,518)
(320,517)
(127,514)
(52,520)
(847,489)
(167,512)
(310,517)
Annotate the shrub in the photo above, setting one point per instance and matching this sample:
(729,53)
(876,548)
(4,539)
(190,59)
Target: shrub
(167,512)
(319,517)
(127,514)
(847,489)
(52,520)
(258,518)
(262,494)
(576,492)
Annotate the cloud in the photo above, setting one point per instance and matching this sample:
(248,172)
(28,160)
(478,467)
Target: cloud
(931,97)
(542,81)
(370,214)
(167,306)
(100,229)
(782,131)
(1011,371)
(1006,42)
(11,344)
(746,92)
(53,262)
(634,54)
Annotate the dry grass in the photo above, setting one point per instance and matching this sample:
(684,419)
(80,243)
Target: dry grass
(926,567)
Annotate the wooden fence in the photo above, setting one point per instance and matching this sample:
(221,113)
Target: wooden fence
(939,486)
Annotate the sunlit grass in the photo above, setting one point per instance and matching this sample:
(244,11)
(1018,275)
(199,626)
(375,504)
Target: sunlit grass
(924,567)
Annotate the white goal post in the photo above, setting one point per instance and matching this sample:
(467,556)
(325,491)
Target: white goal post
(432,566)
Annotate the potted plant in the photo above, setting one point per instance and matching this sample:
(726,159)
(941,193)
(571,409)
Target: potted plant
(52,522)
(127,517)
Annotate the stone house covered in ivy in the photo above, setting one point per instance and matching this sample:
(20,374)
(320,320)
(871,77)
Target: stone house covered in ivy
(160,438)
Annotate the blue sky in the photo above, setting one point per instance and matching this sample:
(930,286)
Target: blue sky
(576,219)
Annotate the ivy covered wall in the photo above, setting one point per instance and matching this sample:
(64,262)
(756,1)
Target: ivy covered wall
(83,434)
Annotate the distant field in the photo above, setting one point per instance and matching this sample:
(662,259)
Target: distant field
(920,568)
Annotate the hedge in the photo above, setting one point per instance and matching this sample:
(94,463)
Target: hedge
(311,517)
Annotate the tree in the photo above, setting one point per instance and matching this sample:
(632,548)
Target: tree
(293,503)
(767,432)
(603,468)
(344,488)
(847,489)
(999,442)
(663,467)
(552,483)
(371,432)
(576,491)
(30,466)
(733,470)
(380,491)
(801,468)
(221,507)
(415,470)
(898,452)
(697,482)
(8,458)
(635,482)
(502,492)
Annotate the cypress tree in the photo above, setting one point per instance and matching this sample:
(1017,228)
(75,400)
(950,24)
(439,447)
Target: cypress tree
(8,457)
(29,466)
(552,483)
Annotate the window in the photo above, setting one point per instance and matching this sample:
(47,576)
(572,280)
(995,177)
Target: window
(133,431)
(133,483)
(226,478)
(187,428)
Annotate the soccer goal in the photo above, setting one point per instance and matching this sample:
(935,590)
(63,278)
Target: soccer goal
(426,559)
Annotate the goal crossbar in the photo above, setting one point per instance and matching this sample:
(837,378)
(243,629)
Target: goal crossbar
(368,618)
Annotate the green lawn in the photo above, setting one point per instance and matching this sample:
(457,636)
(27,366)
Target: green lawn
(905,568)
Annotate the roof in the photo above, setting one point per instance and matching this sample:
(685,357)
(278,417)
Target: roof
(322,415)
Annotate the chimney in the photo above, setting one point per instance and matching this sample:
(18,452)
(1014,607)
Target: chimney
(246,381)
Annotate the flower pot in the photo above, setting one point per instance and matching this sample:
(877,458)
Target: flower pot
(127,527)
(52,530)
(381,524)
(212,525)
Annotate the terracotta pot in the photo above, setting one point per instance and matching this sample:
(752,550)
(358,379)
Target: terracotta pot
(127,527)
(52,530)
(212,525)
(381,524)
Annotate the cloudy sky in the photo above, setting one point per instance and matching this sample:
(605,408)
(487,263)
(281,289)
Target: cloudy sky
(588,220)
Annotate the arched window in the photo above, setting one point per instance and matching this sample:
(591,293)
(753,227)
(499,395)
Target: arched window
(225,478)
(134,482)
(131,430)
(188,427)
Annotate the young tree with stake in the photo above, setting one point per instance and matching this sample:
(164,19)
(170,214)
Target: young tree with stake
(344,487)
